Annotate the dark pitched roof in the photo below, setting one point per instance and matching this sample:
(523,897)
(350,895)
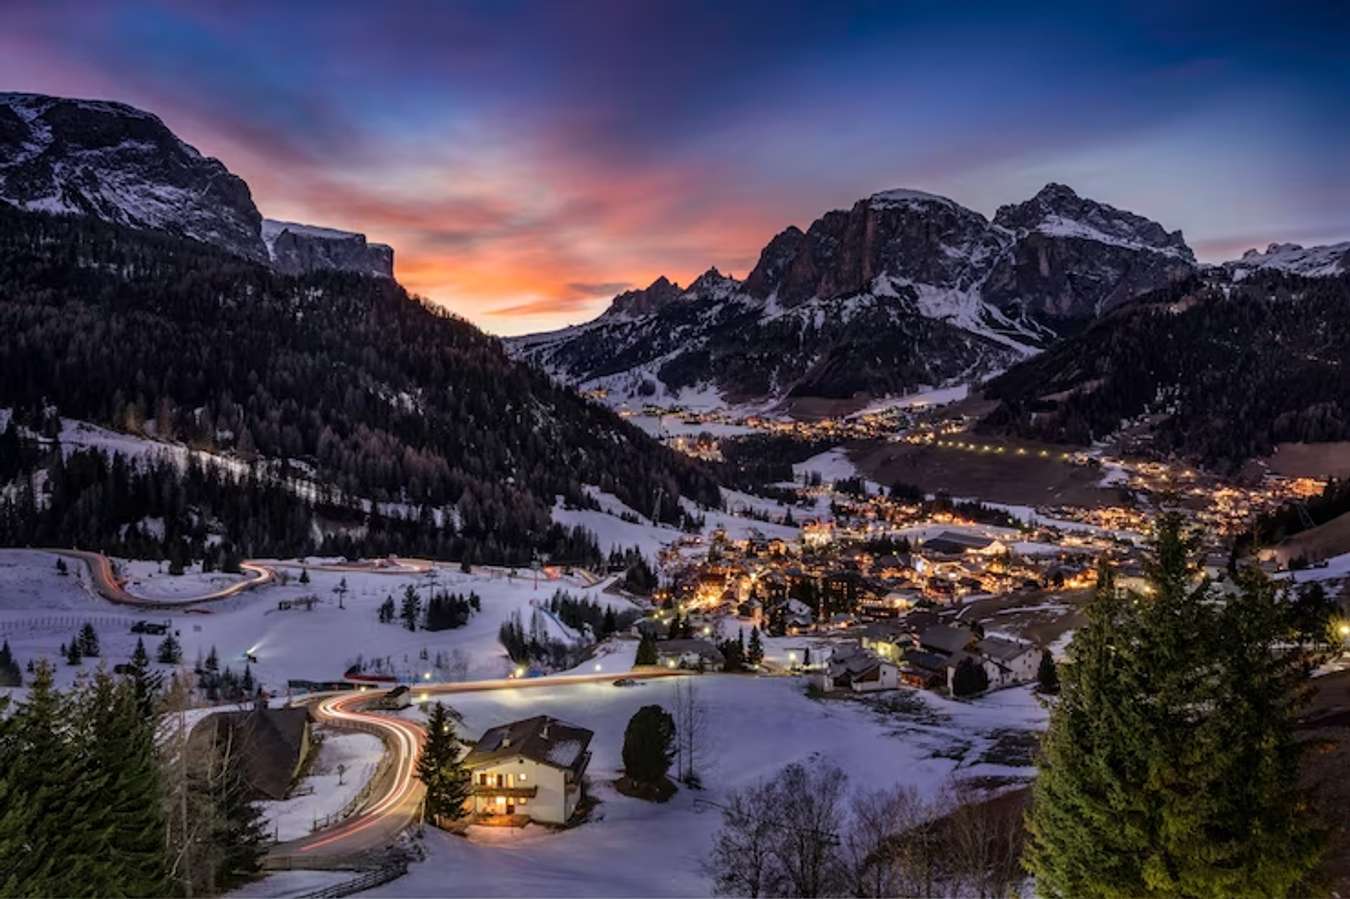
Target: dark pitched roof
(269,743)
(541,739)
(945,638)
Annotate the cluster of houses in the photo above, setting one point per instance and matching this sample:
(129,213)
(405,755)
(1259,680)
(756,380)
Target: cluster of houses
(785,589)
(920,651)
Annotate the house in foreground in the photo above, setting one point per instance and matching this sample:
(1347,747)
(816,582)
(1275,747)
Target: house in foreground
(272,745)
(529,770)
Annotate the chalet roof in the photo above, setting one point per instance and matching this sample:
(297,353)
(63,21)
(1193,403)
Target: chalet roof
(917,659)
(1002,650)
(270,743)
(541,739)
(945,638)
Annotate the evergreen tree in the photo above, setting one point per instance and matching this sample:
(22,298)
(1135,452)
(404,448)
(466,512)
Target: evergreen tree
(89,647)
(1170,765)
(169,652)
(649,745)
(1047,674)
(239,832)
(969,678)
(72,651)
(646,651)
(145,683)
(304,575)
(246,682)
(754,653)
(61,567)
(439,767)
(117,739)
(412,607)
(212,661)
(10,674)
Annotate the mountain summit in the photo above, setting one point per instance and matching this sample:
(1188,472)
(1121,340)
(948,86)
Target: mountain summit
(904,288)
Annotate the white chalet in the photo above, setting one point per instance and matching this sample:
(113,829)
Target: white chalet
(529,769)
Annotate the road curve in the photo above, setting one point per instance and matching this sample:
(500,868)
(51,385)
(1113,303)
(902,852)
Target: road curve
(110,588)
(396,802)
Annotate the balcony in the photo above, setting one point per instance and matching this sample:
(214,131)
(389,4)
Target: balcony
(492,790)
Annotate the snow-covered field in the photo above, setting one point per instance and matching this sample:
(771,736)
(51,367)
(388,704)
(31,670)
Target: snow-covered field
(40,610)
(151,581)
(756,726)
(320,794)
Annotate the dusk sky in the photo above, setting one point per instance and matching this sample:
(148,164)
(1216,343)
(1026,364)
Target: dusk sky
(529,160)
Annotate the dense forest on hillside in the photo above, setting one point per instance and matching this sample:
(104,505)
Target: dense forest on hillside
(366,389)
(1229,369)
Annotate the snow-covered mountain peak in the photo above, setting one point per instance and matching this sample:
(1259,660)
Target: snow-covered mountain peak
(1058,211)
(1311,262)
(902,195)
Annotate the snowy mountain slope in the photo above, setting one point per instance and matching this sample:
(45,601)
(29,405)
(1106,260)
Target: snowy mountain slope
(1310,262)
(903,289)
(120,164)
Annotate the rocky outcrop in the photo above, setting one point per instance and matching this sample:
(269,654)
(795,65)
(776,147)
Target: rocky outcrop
(122,165)
(296,249)
(652,298)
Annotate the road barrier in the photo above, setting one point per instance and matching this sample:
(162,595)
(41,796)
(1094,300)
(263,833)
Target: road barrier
(381,875)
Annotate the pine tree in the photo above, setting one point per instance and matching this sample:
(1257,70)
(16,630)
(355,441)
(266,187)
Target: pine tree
(304,575)
(1047,674)
(10,674)
(1170,767)
(646,651)
(212,661)
(412,607)
(447,780)
(755,652)
(240,833)
(72,651)
(89,647)
(169,652)
(118,739)
(649,745)
(144,682)
(246,683)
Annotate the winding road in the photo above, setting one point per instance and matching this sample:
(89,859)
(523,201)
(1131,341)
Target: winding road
(108,585)
(396,801)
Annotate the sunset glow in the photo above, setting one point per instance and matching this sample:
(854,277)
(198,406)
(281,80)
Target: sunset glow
(522,182)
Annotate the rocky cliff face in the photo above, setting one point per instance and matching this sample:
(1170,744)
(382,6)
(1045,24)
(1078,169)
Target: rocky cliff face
(1075,258)
(296,249)
(117,163)
(903,289)
(122,165)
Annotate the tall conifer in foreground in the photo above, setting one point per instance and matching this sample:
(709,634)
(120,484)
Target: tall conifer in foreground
(1170,767)
(439,767)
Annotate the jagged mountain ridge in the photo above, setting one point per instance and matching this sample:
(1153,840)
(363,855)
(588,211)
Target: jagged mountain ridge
(903,289)
(122,165)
